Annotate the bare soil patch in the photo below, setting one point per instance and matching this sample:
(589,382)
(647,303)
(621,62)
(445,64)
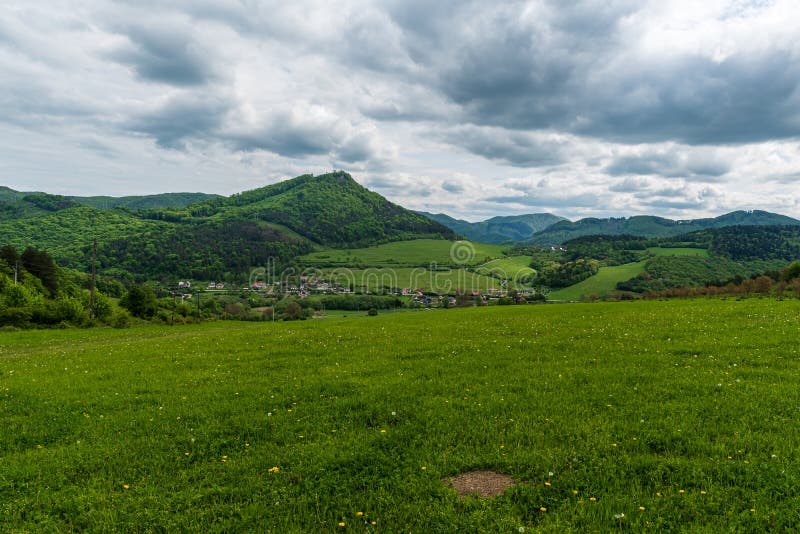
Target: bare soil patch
(481,483)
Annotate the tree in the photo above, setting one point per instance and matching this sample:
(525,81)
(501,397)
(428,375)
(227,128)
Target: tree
(140,301)
(293,312)
(791,272)
(41,265)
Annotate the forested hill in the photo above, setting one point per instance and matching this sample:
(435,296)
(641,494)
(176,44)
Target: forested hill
(498,230)
(215,238)
(331,209)
(163,200)
(18,204)
(649,226)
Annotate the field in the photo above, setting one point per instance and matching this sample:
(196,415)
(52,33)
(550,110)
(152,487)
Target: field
(675,415)
(603,282)
(440,281)
(415,253)
(512,267)
(674,251)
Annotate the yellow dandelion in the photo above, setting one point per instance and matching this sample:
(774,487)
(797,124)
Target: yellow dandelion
(341,524)
(681,491)
(383,431)
(424,468)
(753,510)
(702,492)
(593,499)
(641,508)
(574,492)
(374,523)
(547,484)
(658,494)
(543,509)
(125,486)
(186,454)
(360,514)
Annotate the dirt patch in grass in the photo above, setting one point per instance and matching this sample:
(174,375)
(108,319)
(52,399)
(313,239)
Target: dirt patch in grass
(481,483)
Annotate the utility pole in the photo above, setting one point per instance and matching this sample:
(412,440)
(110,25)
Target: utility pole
(16,271)
(91,287)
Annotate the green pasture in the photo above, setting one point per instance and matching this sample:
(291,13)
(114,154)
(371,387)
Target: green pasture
(605,281)
(677,251)
(414,253)
(512,267)
(643,416)
(446,281)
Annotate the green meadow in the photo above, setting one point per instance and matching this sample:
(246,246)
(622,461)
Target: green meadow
(413,253)
(444,281)
(602,283)
(661,416)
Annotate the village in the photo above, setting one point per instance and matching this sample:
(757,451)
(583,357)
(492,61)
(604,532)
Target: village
(306,286)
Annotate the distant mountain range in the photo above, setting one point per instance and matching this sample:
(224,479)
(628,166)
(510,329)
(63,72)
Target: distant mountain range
(650,226)
(33,203)
(498,230)
(549,229)
(198,236)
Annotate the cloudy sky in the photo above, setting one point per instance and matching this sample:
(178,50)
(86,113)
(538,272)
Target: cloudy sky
(603,107)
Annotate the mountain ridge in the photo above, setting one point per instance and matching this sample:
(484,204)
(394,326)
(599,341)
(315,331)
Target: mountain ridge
(500,229)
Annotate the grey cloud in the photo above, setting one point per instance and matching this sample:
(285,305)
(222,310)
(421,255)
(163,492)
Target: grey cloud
(514,148)
(182,119)
(630,185)
(669,164)
(564,71)
(548,200)
(453,187)
(166,53)
(683,204)
(399,186)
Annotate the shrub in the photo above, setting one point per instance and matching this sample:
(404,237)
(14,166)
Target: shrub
(372,312)
(121,319)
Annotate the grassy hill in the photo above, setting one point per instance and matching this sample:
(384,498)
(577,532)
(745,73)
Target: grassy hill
(649,226)
(663,416)
(498,230)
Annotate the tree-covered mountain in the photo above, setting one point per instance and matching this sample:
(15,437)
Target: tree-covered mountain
(649,226)
(498,230)
(20,205)
(219,237)
(164,200)
(331,209)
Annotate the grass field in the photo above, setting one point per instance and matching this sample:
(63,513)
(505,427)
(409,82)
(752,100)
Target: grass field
(443,282)
(605,281)
(666,416)
(512,267)
(415,253)
(662,251)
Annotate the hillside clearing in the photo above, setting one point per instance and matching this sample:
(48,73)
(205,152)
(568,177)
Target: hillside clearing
(413,253)
(602,283)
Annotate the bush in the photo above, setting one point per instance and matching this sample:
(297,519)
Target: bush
(121,319)
(19,317)
(372,312)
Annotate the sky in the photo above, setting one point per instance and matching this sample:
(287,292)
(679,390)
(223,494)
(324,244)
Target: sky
(599,108)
